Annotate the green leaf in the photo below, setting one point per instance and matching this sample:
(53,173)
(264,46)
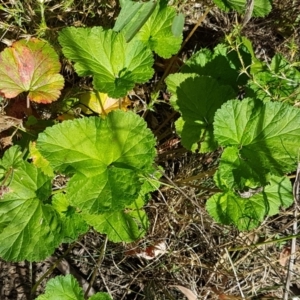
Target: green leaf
(266,135)
(261,7)
(125,225)
(230,209)
(191,134)
(223,64)
(151,181)
(12,159)
(115,65)
(256,64)
(198,98)
(62,288)
(131,223)
(178,24)
(73,223)
(133,15)
(173,81)
(106,156)
(279,194)
(110,189)
(278,81)
(39,161)
(29,229)
(246,213)
(236,172)
(30,66)
(100,296)
(128,11)
(157,32)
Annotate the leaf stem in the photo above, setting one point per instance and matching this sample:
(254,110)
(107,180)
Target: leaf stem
(33,290)
(100,102)
(99,261)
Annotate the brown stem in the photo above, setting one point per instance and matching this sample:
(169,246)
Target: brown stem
(99,261)
(199,176)
(33,290)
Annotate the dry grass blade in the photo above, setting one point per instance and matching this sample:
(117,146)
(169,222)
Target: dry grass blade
(248,11)
(296,191)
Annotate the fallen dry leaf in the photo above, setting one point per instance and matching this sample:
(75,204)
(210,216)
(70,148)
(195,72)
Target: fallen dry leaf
(284,256)
(187,292)
(149,252)
(7,122)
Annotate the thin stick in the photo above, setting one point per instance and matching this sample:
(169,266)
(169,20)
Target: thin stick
(33,290)
(197,177)
(99,261)
(235,275)
(296,190)
(287,238)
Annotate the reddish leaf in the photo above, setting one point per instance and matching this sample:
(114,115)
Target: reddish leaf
(30,66)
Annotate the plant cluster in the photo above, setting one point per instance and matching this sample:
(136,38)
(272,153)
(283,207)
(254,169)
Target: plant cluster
(227,98)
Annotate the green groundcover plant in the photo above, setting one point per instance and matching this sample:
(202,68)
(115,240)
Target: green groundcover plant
(109,160)
(259,134)
(227,98)
(66,288)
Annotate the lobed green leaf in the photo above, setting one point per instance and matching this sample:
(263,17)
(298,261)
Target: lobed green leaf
(105,156)
(261,7)
(157,32)
(230,208)
(29,228)
(116,66)
(198,98)
(266,135)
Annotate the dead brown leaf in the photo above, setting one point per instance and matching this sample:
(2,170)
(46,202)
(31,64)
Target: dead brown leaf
(187,292)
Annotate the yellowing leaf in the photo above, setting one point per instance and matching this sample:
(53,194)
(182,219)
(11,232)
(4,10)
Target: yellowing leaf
(30,66)
(39,161)
(95,102)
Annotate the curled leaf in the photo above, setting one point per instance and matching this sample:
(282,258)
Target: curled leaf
(96,102)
